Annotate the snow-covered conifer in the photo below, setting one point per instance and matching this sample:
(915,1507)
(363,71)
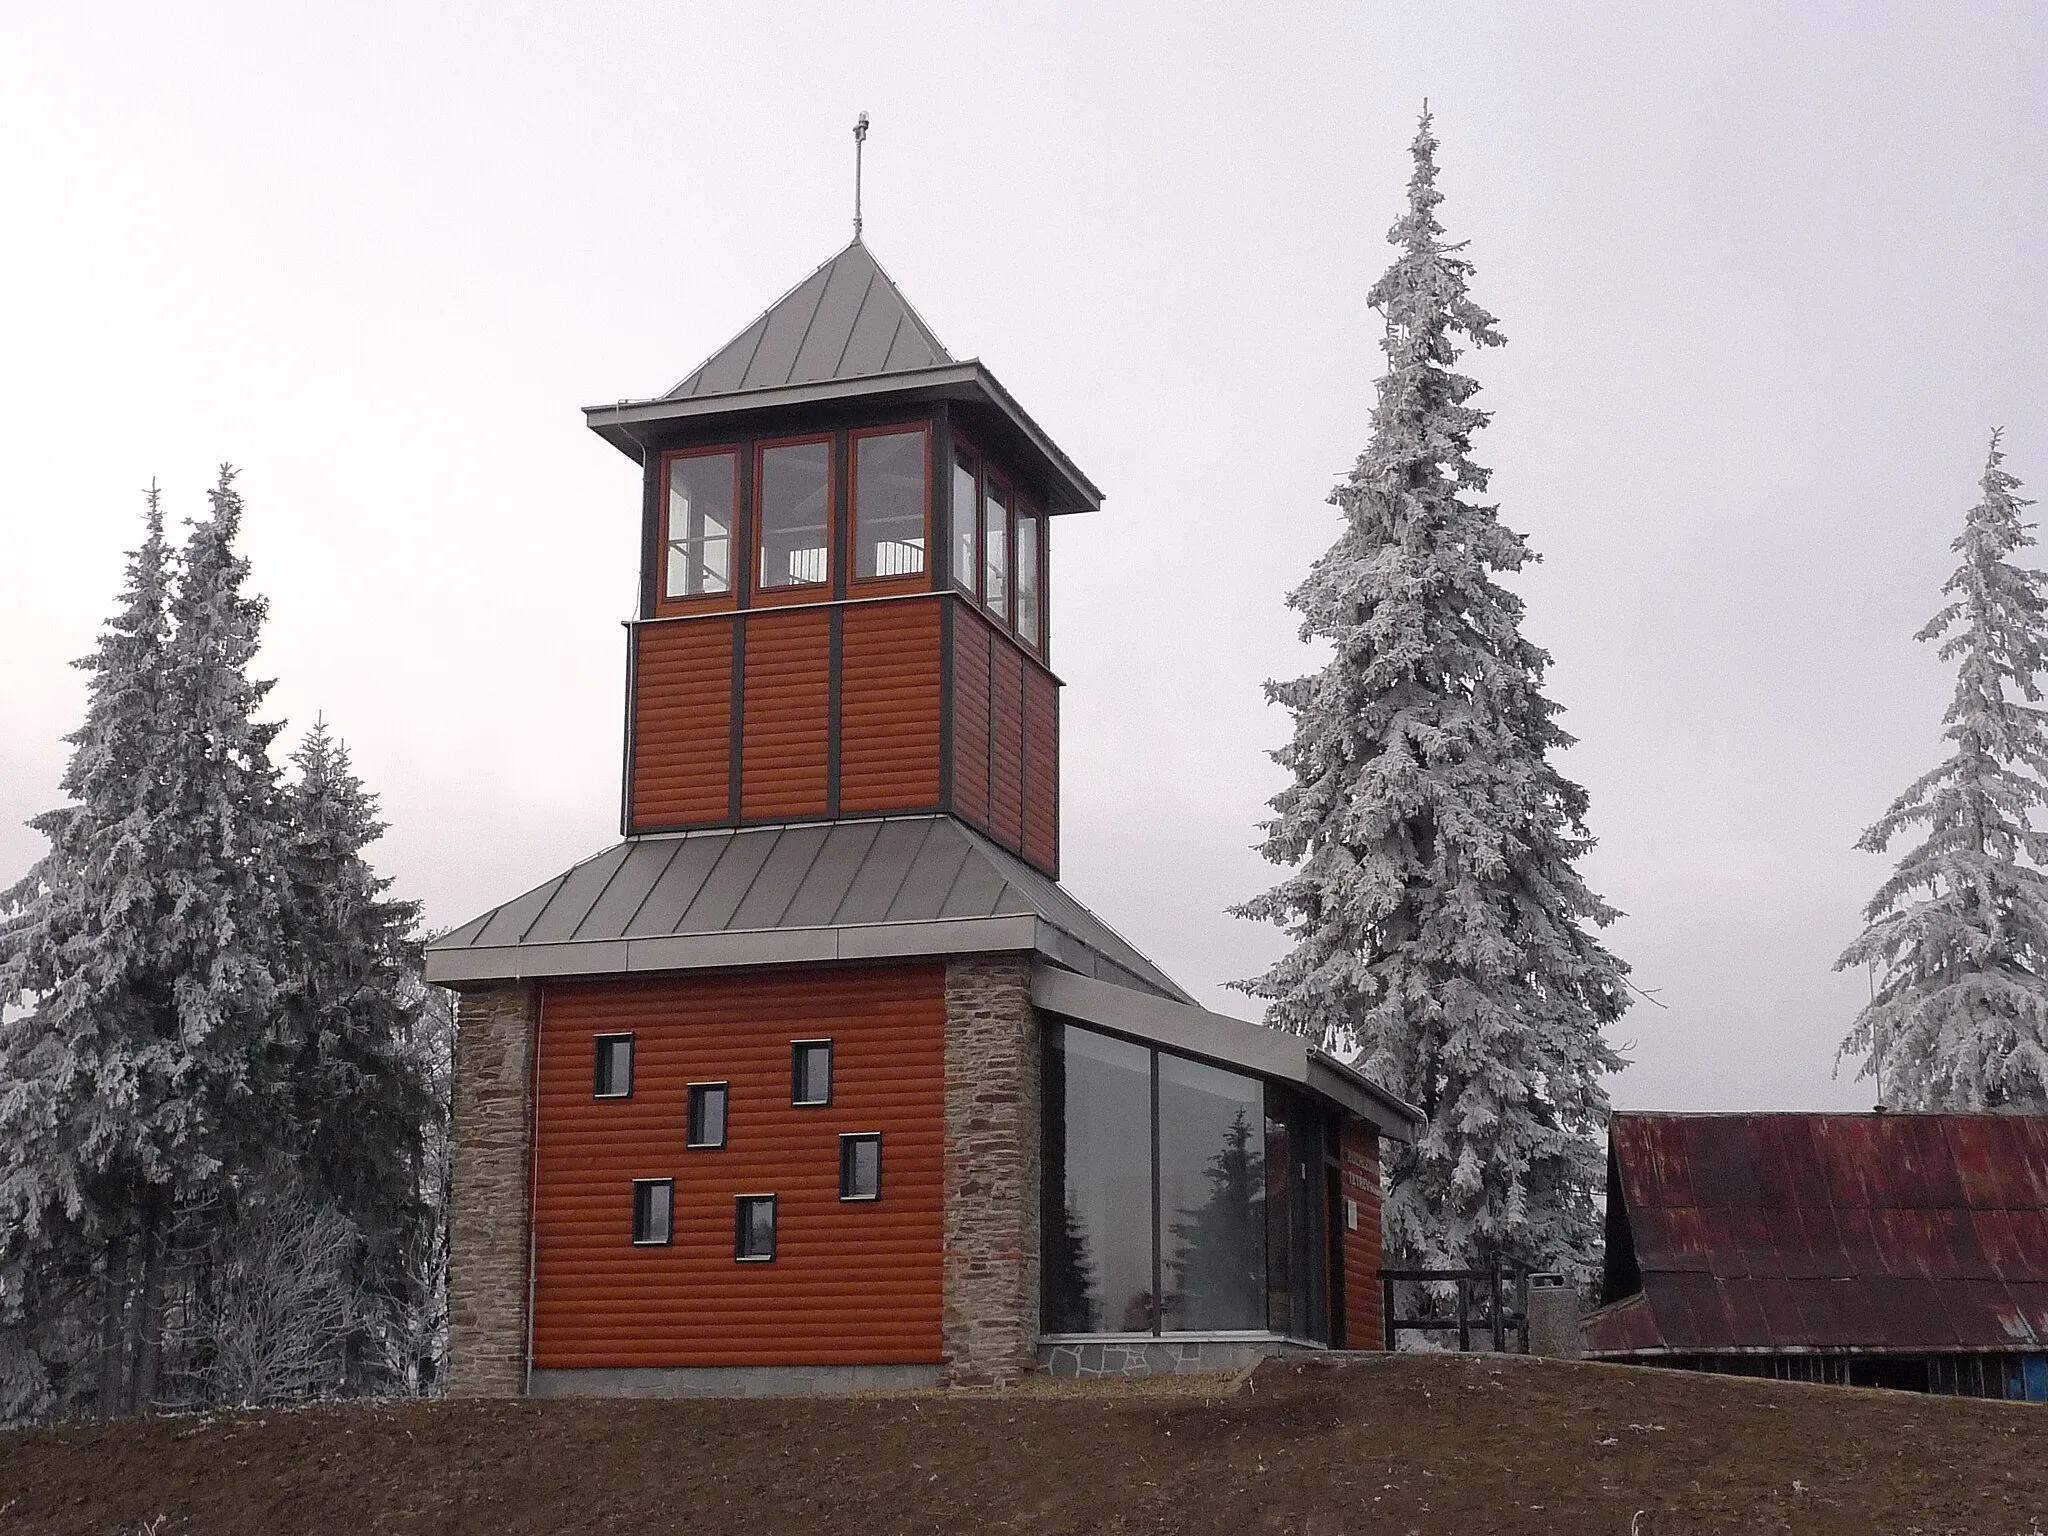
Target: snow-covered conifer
(1440,927)
(1960,1018)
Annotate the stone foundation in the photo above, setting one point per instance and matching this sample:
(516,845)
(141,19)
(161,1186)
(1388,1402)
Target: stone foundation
(488,1208)
(734,1381)
(990,1330)
(1154,1357)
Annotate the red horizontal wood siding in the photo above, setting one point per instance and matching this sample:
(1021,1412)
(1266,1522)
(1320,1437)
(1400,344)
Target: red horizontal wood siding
(1364,1322)
(682,722)
(1006,746)
(1042,770)
(851,1283)
(784,728)
(889,706)
(971,640)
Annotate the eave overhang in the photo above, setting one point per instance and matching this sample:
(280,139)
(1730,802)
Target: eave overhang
(629,425)
(1193,1031)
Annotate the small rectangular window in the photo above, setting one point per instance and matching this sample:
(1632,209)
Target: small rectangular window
(889,479)
(653,1204)
(995,550)
(1029,629)
(703,490)
(966,517)
(810,1072)
(707,1114)
(860,1166)
(796,514)
(613,1072)
(753,1228)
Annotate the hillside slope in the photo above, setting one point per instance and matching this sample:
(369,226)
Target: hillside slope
(1353,1444)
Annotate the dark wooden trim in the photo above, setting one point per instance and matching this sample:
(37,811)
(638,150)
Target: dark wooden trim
(940,490)
(948,608)
(808,591)
(652,469)
(631,746)
(800,819)
(838,518)
(835,683)
(736,738)
(657,603)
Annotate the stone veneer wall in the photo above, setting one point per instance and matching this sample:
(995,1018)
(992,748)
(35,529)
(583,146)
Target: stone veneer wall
(488,1231)
(990,1329)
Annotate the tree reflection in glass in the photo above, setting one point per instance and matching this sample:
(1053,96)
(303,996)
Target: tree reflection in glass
(1212,1199)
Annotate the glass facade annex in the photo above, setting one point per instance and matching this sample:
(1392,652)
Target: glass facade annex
(1178,1197)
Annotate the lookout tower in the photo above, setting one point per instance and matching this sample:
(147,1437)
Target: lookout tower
(818,1079)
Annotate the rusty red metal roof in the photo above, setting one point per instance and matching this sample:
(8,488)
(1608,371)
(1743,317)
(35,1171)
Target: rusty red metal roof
(1778,1233)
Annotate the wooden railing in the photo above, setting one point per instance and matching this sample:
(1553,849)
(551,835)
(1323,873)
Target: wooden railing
(1491,1288)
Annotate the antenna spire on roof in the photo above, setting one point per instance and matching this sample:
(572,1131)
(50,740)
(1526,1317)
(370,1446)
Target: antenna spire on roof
(860,139)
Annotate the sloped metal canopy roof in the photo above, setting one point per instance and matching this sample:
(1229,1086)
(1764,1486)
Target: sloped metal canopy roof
(886,887)
(847,320)
(1777,1233)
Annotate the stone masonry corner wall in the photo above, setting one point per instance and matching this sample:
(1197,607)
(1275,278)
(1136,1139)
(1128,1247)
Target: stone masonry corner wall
(488,1232)
(991,1264)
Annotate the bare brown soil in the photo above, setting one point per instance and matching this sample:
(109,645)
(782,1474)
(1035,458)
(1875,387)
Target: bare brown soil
(1366,1444)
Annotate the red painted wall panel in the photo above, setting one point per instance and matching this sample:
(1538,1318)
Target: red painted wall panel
(851,1283)
(1364,1322)
(889,706)
(1006,749)
(1041,770)
(971,641)
(784,725)
(682,722)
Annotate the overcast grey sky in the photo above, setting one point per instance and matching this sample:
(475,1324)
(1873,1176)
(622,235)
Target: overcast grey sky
(1769,274)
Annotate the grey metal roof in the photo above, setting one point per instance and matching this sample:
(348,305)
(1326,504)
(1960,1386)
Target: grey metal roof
(860,889)
(847,320)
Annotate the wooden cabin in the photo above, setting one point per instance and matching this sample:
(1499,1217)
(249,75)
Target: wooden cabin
(1884,1250)
(819,1079)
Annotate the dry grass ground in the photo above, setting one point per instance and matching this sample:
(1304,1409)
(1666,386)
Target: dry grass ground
(1457,1445)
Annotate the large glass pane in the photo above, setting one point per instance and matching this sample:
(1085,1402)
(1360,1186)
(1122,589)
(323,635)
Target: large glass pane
(796,514)
(702,492)
(888,505)
(1097,1238)
(1212,1196)
(1028,609)
(1297,1219)
(995,549)
(963,522)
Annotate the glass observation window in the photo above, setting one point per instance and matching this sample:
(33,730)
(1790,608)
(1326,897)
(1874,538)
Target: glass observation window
(860,1166)
(703,493)
(965,514)
(888,504)
(653,1207)
(753,1228)
(707,1115)
(995,549)
(810,1072)
(1212,1197)
(613,1069)
(1097,1242)
(796,514)
(1030,611)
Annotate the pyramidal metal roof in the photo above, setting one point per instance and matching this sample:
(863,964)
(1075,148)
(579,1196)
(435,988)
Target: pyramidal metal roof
(847,320)
(886,887)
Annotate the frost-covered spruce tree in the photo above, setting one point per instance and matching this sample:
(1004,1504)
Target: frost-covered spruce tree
(1441,929)
(142,1073)
(1960,1019)
(362,1107)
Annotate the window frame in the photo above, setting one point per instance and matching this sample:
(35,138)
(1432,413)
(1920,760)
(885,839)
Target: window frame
(708,602)
(796,591)
(965,448)
(1021,509)
(1004,618)
(690,1116)
(740,1203)
(668,1235)
(847,1141)
(879,585)
(796,1050)
(598,1042)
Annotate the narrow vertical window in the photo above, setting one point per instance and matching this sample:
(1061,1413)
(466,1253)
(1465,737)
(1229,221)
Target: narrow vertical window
(1030,625)
(810,1072)
(703,491)
(707,1115)
(995,549)
(796,514)
(612,1076)
(860,1166)
(753,1228)
(653,1208)
(966,517)
(889,480)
